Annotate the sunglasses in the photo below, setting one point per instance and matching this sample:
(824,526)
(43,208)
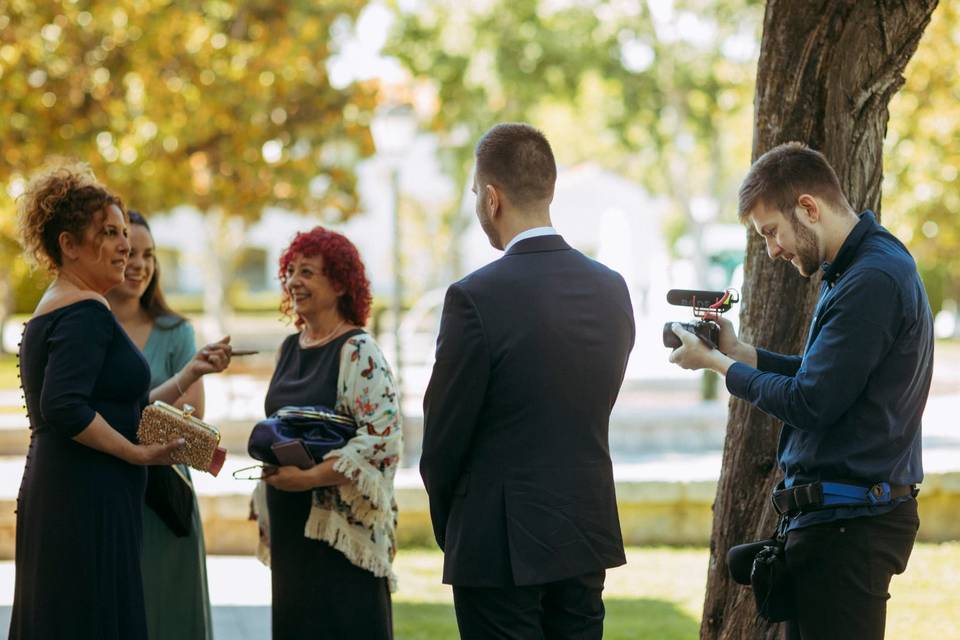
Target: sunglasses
(264,469)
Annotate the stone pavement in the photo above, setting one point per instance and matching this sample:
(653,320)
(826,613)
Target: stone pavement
(239,594)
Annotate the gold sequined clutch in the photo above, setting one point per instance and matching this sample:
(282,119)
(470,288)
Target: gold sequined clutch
(160,423)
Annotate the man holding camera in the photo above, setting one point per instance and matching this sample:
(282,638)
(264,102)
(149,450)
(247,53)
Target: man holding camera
(851,405)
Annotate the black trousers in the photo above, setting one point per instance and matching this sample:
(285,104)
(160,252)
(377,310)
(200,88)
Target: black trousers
(842,570)
(570,609)
(317,593)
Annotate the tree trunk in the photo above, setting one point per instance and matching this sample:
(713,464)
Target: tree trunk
(224,238)
(827,72)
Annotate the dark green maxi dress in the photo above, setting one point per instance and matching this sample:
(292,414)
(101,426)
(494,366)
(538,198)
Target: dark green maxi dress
(174,569)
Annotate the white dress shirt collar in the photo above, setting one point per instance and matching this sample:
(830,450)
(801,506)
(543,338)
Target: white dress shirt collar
(536,232)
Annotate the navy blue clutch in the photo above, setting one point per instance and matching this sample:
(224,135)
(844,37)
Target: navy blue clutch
(319,429)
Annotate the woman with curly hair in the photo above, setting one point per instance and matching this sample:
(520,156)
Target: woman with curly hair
(78,535)
(328,532)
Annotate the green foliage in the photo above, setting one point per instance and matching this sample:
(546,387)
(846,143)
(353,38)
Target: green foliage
(921,193)
(28,285)
(216,104)
(670,104)
(667,103)
(9,379)
(243,300)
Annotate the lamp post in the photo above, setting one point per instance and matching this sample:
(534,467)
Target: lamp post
(393,129)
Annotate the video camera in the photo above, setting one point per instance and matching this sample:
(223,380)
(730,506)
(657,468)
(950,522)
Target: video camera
(707,307)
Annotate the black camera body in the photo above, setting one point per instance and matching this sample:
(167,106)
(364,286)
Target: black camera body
(707,307)
(706,330)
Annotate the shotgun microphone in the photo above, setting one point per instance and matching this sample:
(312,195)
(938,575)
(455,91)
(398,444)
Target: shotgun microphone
(707,307)
(698,299)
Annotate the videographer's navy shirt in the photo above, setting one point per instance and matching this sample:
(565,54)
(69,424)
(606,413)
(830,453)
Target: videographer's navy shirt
(852,404)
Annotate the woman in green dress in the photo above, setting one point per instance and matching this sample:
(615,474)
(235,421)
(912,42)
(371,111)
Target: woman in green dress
(174,568)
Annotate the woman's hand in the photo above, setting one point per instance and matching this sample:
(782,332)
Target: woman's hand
(213,358)
(101,436)
(296,479)
(180,390)
(290,478)
(147,454)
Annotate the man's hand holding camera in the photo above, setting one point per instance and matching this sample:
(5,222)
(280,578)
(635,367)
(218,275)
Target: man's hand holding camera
(694,353)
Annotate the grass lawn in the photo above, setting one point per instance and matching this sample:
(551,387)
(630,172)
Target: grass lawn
(659,593)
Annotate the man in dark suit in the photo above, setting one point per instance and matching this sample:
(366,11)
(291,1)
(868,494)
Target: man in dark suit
(530,359)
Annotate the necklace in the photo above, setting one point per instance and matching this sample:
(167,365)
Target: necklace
(307,342)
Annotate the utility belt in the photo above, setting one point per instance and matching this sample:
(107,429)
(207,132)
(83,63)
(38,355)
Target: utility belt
(763,565)
(819,495)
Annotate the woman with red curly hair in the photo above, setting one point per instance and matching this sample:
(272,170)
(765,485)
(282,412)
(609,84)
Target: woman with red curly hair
(328,532)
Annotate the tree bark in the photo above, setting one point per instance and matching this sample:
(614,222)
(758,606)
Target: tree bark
(826,74)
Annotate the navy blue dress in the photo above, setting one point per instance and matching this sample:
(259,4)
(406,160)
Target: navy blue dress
(79,510)
(317,592)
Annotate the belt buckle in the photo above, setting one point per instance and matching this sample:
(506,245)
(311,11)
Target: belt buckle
(879,493)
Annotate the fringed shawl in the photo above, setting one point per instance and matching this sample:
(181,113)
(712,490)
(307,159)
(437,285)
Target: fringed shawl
(358,518)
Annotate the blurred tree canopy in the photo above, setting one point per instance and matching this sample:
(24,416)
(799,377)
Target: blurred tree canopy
(226,106)
(661,94)
(922,158)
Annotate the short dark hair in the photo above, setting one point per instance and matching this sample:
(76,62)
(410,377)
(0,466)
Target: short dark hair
(783,174)
(517,158)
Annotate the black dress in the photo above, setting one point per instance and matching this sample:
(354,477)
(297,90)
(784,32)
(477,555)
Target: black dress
(78,512)
(317,592)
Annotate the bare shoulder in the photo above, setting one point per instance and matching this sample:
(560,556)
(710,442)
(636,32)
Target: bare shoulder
(53,300)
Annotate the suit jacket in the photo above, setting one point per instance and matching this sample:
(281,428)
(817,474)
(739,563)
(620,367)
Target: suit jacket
(530,358)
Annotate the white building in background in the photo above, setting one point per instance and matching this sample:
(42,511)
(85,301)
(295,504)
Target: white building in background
(600,213)
(608,218)
(181,235)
